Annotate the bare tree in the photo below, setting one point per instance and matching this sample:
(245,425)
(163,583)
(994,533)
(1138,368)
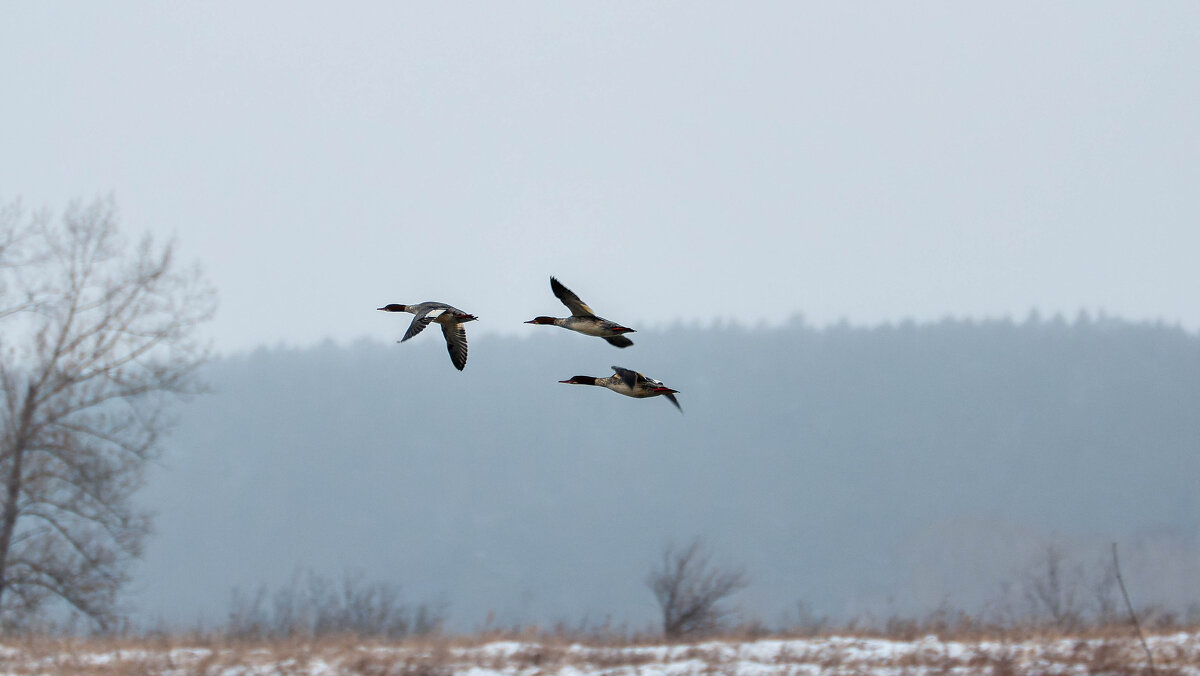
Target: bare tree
(689,590)
(1052,588)
(99,338)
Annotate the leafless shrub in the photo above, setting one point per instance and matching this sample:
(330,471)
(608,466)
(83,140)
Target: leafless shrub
(313,606)
(1059,591)
(1052,589)
(690,591)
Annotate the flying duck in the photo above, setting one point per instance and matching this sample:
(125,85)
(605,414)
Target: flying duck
(629,383)
(451,319)
(582,318)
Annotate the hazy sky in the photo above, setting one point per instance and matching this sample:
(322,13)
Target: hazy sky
(668,161)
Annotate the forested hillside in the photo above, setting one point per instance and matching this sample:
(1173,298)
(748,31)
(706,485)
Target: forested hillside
(859,470)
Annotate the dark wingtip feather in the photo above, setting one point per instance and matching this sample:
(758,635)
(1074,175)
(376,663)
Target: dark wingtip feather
(671,397)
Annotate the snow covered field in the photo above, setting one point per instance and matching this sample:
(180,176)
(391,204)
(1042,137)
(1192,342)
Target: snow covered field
(1174,654)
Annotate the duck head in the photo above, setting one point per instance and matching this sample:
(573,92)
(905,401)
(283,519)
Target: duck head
(580,380)
(541,320)
(393,307)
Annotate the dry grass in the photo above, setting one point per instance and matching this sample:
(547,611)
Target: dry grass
(1046,653)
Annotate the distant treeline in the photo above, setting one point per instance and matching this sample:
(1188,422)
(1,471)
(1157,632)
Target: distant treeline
(856,469)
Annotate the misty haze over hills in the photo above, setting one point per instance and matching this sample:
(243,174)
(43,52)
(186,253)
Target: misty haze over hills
(885,469)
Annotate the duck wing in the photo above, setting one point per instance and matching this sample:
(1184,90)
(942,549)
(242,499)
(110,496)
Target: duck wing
(418,325)
(619,341)
(422,318)
(577,307)
(456,343)
(630,378)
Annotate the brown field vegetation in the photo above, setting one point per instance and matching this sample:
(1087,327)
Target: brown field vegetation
(1017,651)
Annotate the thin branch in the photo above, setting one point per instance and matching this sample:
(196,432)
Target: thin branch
(1137,627)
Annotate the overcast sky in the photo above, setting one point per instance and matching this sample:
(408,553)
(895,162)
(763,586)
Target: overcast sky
(668,161)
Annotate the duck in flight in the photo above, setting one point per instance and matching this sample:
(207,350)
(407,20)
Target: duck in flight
(629,383)
(582,318)
(451,319)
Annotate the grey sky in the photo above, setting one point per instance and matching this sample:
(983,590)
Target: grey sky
(688,161)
